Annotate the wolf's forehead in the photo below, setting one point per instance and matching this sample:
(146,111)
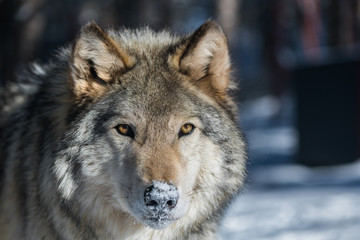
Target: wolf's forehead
(164,103)
(146,100)
(154,89)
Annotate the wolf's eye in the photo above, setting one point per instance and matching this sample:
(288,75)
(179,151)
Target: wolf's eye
(125,130)
(186,129)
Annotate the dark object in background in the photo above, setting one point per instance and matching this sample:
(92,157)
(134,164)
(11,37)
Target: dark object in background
(327,98)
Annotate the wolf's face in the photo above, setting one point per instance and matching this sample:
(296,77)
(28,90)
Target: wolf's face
(149,151)
(148,124)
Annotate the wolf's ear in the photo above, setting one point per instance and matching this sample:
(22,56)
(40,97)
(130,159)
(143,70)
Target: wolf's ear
(96,61)
(204,56)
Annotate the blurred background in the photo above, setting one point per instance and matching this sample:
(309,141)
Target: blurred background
(297,63)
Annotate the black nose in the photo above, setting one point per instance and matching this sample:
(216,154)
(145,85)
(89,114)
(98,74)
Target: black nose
(161,196)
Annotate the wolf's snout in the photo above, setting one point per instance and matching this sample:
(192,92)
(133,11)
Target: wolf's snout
(161,196)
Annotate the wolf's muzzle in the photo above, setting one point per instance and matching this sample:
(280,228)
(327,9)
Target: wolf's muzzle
(161,197)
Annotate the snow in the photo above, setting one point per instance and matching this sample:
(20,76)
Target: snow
(294,202)
(283,200)
(311,213)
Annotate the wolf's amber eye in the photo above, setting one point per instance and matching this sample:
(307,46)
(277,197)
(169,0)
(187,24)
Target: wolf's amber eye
(186,129)
(125,130)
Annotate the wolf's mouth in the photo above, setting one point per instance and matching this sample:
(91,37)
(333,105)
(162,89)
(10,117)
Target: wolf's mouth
(158,221)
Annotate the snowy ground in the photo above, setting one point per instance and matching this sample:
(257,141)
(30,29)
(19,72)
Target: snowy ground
(285,201)
(308,206)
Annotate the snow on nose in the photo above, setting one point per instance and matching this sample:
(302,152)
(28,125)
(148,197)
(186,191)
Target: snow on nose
(161,197)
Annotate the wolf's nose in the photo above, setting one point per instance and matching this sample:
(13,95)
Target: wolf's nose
(161,196)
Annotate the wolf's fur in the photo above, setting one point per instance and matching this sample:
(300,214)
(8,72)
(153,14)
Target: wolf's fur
(66,173)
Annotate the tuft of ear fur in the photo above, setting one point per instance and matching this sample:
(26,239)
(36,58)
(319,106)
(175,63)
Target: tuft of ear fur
(96,61)
(204,56)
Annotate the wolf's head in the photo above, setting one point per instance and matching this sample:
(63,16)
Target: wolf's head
(151,132)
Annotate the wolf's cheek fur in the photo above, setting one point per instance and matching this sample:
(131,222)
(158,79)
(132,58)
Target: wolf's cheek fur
(97,162)
(66,183)
(205,165)
(190,149)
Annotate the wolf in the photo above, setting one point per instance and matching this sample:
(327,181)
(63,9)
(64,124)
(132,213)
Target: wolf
(124,134)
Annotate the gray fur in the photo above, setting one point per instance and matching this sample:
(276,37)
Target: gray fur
(66,173)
